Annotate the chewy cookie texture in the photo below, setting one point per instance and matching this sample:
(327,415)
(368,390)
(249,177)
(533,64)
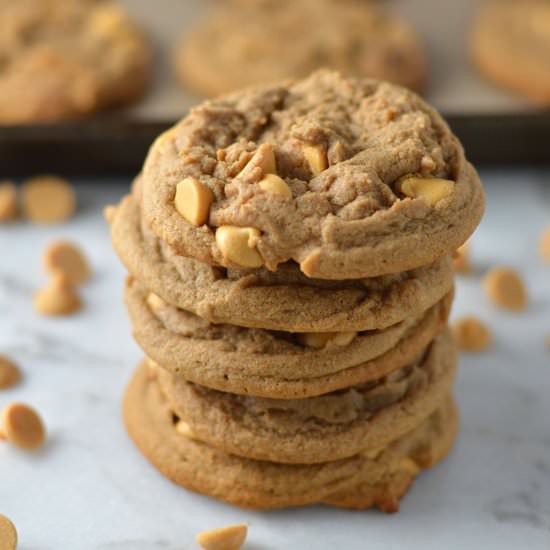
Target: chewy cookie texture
(290,256)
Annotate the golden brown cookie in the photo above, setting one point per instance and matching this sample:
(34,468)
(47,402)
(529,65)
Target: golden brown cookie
(264,363)
(317,429)
(261,42)
(284,300)
(362,481)
(379,183)
(510,45)
(63,59)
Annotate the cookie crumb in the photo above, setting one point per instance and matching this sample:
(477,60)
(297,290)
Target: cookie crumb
(8,201)
(545,245)
(461,259)
(471,334)
(10,375)
(58,298)
(8,534)
(47,199)
(505,288)
(64,257)
(23,427)
(225,538)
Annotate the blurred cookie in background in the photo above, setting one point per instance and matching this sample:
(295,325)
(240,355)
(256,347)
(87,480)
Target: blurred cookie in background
(511,46)
(244,43)
(64,59)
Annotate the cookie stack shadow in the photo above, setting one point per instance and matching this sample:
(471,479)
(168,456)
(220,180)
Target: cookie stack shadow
(269,388)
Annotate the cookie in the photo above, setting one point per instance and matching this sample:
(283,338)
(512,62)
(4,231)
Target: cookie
(274,364)
(317,429)
(284,300)
(510,44)
(379,183)
(362,481)
(63,59)
(266,41)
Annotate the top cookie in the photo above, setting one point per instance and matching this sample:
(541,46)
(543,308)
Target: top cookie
(62,59)
(350,178)
(511,45)
(264,41)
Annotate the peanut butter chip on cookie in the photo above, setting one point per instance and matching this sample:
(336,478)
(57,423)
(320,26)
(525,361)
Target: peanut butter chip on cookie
(238,245)
(461,259)
(430,190)
(472,335)
(23,426)
(316,158)
(58,298)
(184,429)
(225,538)
(64,257)
(545,245)
(48,199)
(319,340)
(193,200)
(9,373)
(262,162)
(8,201)
(275,185)
(8,534)
(505,289)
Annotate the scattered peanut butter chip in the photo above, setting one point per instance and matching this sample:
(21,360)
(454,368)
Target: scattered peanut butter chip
(316,158)
(461,259)
(64,257)
(431,190)
(275,185)
(225,538)
(545,245)
(8,534)
(48,199)
(23,427)
(238,245)
(319,340)
(184,429)
(58,298)
(505,288)
(8,201)
(471,334)
(10,375)
(193,200)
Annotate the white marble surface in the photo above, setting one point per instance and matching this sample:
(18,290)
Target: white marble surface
(90,489)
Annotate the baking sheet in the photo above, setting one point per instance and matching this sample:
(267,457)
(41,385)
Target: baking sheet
(454,85)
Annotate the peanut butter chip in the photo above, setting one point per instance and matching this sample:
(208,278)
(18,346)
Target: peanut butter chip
(8,201)
(316,158)
(226,538)
(545,245)
(9,373)
(48,199)
(64,257)
(408,465)
(8,534)
(238,245)
(505,289)
(184,429)
(472,335)
(263,162)
(461,259)
(319,340)
(275,185)
(58,298)
(193,200)
(155,302)
(430,190)
(23,426)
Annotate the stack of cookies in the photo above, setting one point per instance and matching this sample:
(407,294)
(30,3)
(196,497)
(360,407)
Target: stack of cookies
(290,256)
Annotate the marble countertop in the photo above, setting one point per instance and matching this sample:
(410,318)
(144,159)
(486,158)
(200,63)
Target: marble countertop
(90,489)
